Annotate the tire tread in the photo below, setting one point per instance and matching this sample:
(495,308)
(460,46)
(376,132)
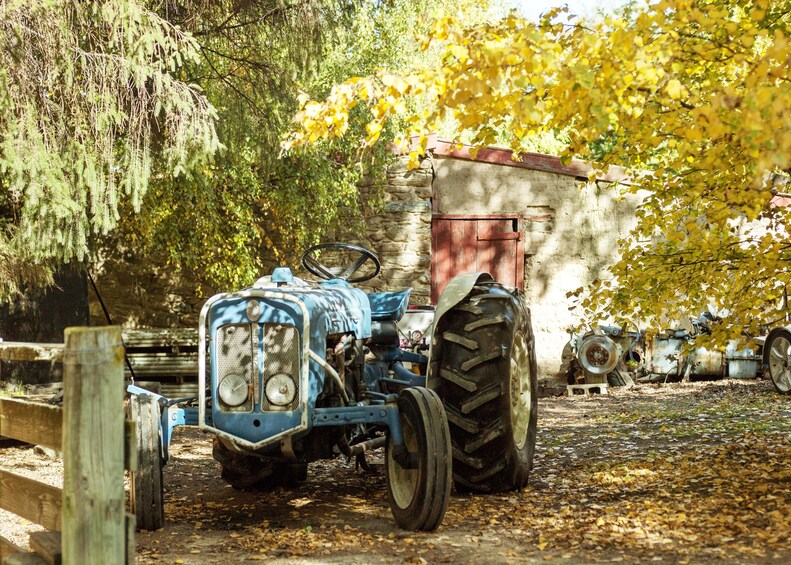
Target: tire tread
(474,384)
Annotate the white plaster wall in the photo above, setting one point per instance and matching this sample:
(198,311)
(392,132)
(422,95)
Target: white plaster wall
(571,231)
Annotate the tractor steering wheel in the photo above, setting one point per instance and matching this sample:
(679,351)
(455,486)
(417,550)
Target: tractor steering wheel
(317,268)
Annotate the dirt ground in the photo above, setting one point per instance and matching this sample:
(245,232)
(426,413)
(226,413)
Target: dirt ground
(681,473)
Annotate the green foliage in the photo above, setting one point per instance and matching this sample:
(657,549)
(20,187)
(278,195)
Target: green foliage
(236,220)
(89,97)
(231,219)
(251,208)
(109,109)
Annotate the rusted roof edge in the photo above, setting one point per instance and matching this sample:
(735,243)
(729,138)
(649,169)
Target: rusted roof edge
(534,161)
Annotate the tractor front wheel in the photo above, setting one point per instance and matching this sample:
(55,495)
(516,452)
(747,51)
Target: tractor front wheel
(419,481)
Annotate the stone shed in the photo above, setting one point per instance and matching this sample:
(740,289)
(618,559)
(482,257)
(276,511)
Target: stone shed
(533,222)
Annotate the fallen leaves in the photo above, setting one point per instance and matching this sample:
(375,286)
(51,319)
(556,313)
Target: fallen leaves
(725,491)
(607,485)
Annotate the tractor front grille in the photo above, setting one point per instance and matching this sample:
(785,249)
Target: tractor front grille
(239,349)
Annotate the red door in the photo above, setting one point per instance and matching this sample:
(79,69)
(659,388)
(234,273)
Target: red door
(463,244)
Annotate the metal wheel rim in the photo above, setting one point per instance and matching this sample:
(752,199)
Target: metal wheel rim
(780,362)
(521,406)
(404,482)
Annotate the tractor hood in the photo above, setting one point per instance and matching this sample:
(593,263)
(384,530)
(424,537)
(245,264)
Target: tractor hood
(327,310)
(271,336)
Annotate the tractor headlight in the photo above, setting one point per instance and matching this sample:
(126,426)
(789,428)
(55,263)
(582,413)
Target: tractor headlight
(233,389)
(280,389)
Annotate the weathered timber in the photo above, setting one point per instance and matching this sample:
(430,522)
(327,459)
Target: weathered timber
(48,546)
(23,351)
(164,364)
(94,528)
(183,390)
(162,354)
(8,548)
(130,538)
(152,352)
(43,389)
(147,493)
(31,422)
(30,500)
(130,445)
(24,559)
(174,338)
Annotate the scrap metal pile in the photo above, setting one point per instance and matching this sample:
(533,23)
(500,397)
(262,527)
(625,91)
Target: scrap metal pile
(623,355)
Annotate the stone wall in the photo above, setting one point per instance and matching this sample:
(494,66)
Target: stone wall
(140,293)
(399,230)
(571,229)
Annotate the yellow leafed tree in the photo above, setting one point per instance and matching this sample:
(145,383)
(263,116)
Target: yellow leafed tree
(693,97)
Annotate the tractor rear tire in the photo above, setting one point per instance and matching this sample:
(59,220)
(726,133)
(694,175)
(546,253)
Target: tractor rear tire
(483,367)
(419,492)
(147,496)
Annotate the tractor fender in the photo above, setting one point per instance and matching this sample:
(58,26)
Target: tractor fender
(455,291)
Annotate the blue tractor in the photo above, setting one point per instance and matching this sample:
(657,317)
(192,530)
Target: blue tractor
(292,371)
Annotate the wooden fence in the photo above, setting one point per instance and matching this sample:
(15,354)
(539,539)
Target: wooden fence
(86,520)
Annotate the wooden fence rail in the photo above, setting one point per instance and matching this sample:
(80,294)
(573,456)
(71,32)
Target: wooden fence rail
(86,519)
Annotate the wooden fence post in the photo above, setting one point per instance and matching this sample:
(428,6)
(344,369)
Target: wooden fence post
(93,514)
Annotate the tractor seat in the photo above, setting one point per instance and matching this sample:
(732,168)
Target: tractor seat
(388,305)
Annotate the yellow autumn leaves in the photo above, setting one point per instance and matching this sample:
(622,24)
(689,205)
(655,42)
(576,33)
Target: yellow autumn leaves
(674,89)
(679,473)
(697,92)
